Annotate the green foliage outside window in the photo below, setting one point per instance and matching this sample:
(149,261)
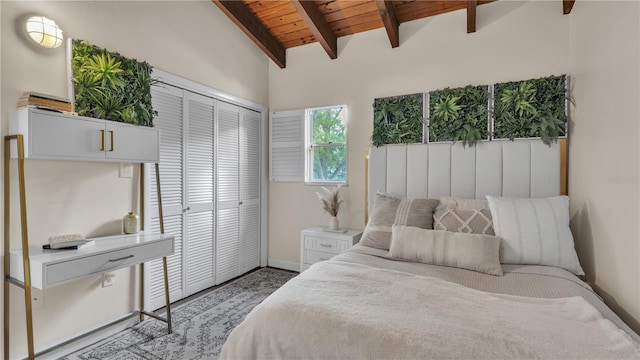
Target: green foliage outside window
(110,86)
(398,120)
(459,114)
(531,108)
(328,142)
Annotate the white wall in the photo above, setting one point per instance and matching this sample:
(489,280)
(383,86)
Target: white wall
(191,39)
(514,41)
(604,154)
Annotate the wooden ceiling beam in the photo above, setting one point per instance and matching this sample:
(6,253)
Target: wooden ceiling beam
(316,22)
(244,18)
(471,16)
(567,5)
(390,21)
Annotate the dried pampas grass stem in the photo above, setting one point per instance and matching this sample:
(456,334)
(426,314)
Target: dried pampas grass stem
(330,199)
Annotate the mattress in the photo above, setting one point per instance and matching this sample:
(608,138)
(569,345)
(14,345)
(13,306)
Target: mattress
(361,304)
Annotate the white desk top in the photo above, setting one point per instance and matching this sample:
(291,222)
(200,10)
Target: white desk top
(99,245)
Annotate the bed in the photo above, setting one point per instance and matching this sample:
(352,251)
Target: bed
(426,287)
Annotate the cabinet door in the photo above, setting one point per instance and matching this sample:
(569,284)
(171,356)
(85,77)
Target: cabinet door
(250,190)
(228,193)
(168,101)
(131,143)
(58,136)
(199,240)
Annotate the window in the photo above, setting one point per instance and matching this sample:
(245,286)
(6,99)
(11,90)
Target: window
(326,144)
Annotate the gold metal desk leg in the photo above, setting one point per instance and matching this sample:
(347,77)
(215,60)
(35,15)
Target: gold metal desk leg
(141,291)
(141,176)
(164,259)
(25,242)
(166,294)
(7,221)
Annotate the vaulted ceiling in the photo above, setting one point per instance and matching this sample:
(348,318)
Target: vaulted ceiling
(277,25)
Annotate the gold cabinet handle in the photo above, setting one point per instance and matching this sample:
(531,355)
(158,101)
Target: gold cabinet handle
(102,140)
(111,132)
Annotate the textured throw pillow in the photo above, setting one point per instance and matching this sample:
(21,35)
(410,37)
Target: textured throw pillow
(450,202)
(535,231)
(388,210)
(466,251)
(476,221)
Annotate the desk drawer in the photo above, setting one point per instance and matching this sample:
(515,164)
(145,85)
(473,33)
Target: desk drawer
(99,263)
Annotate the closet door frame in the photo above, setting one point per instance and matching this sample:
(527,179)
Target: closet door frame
(175,80)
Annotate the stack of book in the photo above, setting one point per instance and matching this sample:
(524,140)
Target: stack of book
(65,242)
(44,101)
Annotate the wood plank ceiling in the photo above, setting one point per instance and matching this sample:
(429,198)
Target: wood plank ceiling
(277,25)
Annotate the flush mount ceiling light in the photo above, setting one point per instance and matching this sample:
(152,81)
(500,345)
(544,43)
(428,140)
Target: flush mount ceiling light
(44,31)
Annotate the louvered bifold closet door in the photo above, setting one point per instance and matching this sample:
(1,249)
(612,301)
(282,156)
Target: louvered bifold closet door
(250,190)
(199,214)
(228,192)
(168,101)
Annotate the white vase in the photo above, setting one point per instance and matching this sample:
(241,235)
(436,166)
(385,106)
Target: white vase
(334,224)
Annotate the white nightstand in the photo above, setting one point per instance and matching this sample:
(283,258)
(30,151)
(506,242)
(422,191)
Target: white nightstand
(318,245)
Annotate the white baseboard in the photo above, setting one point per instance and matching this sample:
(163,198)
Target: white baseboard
(282,264)
(59,351)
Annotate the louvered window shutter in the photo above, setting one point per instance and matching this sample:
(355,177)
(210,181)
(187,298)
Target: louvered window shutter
(287,146)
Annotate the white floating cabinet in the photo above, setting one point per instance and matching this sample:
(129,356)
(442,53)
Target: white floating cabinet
(56,136)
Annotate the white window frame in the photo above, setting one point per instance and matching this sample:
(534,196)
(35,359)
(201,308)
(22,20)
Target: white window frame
(308,155)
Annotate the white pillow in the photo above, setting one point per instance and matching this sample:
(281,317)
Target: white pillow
(456,203)
(438,247)
(535,231)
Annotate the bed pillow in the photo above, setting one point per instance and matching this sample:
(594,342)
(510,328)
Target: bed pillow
(535,231)
(388,210)
(476,221)
(451,202)
(437,247)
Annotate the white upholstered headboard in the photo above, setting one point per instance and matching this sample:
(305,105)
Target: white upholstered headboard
(520,168)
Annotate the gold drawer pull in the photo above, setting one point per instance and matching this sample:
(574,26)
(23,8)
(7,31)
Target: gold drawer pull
(122,258)
(111,132)
(102,137)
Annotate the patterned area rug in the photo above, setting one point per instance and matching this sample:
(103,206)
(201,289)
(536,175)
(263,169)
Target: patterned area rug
(200,326)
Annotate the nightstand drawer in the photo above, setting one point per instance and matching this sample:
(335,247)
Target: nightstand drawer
(324,244)
(312,257)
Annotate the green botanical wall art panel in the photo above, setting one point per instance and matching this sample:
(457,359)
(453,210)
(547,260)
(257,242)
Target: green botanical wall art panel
(110,86)
(398,120)
(459,114)
(531,108)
